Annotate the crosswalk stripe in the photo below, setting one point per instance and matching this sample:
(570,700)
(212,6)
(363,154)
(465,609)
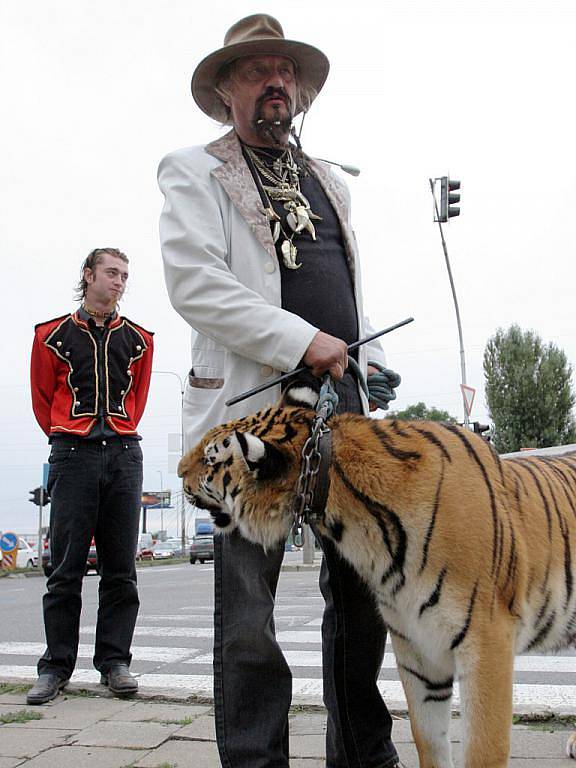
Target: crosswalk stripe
(564,664)
(558,697)
(139,652)
(162,631)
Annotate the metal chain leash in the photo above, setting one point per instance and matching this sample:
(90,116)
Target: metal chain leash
(311,461)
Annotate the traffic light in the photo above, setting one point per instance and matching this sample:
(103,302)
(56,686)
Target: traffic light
(448,198)
(39,497)
(479,429)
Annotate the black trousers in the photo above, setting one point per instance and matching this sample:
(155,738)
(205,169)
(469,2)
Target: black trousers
(95,488)
(252,680)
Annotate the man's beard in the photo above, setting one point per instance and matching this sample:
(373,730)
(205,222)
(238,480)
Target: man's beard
(275,128)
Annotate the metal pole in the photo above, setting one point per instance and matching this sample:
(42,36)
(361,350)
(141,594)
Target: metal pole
(182,506)
(307,545)
(40,511)
(459,324)
(161,501)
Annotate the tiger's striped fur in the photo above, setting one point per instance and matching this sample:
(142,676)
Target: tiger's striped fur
(470,558)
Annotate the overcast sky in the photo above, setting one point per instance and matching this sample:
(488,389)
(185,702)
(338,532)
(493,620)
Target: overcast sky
(94,94)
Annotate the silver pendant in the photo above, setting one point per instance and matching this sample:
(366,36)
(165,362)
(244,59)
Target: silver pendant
(289,252)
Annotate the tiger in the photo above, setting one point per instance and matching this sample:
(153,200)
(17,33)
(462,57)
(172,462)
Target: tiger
(470,557)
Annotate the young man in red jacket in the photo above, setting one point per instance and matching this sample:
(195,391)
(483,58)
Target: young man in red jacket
(90,375)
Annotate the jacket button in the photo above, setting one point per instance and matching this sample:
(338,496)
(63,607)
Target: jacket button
(122,392)
(269,267)
(75,389)
(58,343)
(266,371)
(119,407)
(67,354)
(138,347)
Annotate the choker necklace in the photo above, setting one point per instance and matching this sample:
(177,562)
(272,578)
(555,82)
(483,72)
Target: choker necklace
(280,181)
(97,313)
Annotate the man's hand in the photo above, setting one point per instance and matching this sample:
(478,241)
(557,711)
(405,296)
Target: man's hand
(326,354)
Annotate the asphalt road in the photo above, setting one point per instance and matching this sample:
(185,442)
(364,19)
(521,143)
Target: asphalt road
(173,638)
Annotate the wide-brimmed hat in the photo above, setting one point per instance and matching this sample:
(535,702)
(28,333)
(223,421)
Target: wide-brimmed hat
(255,35)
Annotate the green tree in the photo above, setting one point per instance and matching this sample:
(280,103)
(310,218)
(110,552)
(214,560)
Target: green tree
(528,391)
(421,412)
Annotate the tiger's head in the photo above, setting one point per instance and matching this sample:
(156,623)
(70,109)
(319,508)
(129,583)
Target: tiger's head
(245,473)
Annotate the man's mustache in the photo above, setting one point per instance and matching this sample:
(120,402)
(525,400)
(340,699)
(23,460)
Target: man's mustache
(270,93)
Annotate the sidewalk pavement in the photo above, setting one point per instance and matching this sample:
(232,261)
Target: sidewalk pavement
(87,727)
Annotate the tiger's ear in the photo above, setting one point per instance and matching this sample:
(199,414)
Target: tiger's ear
(261,457)
(301,395)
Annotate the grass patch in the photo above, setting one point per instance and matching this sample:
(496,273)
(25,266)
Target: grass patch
(14,688)
(81,693)
(161,765)
(167,561)
(21,716)
(184,721)
(548,722)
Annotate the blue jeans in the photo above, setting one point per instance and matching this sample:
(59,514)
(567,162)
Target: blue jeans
(252,681)
(95,488)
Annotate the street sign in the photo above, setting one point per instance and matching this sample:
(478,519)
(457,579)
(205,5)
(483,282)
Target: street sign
(468,393)
(9,547)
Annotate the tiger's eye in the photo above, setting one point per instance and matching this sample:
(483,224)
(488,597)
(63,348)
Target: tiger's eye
(226,442)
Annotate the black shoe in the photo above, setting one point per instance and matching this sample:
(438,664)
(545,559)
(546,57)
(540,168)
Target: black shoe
(47,688)
(119,680)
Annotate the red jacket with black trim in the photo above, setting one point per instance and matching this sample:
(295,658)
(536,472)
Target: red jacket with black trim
(71,368)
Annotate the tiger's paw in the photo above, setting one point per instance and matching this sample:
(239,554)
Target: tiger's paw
(571,746)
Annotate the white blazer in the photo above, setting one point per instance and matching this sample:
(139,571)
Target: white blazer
(223,278)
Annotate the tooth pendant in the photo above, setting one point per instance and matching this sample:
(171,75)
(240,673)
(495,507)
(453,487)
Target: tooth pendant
(289,252)
(299,219)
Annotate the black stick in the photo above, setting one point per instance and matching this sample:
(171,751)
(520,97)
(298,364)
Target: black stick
(298,371)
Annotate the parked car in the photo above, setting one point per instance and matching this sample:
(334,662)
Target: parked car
(202,547)
(164,550)
(144,550)
(91,561)
(27,556)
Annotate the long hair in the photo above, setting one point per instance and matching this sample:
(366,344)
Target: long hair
(93,258)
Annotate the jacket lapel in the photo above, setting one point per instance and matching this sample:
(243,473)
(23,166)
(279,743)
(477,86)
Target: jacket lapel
(337,194)
(236,179)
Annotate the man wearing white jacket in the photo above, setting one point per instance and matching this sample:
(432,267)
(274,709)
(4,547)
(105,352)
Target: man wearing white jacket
(260,259)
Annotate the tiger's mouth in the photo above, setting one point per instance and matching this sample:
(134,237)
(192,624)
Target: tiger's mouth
(222,519)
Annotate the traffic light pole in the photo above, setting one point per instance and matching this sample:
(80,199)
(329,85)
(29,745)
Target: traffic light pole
(460,336)
(40,511)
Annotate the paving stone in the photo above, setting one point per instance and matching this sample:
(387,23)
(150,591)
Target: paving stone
(10,762)
(74,713)
(158,711)
(183,754)
(535,744)
(19,741)
(128,735)
(308,746)
(307,763)
(307,724)
(13,698)
(86,757)
(202,728)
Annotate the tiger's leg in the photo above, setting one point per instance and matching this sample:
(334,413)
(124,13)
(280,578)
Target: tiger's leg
(428,691)
(485,667)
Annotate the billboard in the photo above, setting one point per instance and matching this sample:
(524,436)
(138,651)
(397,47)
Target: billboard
(156,499)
